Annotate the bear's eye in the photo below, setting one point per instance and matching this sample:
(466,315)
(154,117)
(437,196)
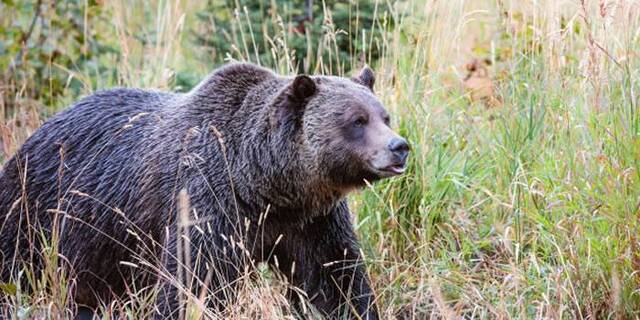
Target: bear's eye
(386,120)
(360,122)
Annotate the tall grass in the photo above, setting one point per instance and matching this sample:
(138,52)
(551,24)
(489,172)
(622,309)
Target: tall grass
(527,210)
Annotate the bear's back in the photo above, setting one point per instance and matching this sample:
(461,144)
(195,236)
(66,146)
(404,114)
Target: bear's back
(92,129)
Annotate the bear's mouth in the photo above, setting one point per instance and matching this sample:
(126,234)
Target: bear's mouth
(393,170)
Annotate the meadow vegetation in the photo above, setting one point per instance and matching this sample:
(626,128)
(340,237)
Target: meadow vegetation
(523,203)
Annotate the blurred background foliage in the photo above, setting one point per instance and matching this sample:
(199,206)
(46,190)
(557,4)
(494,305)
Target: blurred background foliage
(42,42)
(55,49)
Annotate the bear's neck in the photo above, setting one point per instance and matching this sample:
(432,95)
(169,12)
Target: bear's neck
(283,184)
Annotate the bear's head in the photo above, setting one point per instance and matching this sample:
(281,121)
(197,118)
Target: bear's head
(342,131)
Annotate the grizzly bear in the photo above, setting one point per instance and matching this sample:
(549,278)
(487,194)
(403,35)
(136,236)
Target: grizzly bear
(265,162)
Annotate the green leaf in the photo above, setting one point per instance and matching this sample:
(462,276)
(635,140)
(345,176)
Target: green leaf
(9,288)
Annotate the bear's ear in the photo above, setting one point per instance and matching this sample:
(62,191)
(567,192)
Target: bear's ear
(366,77)
(302,88)
(291,101)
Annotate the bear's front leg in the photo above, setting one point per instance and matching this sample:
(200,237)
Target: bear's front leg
(325,258)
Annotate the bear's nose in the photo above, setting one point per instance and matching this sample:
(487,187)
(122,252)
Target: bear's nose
(400,148)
